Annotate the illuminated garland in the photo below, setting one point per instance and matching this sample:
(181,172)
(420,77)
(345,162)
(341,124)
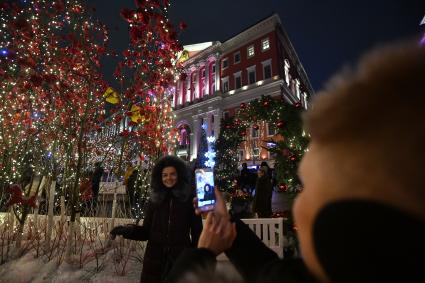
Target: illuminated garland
(147,76)
(288,151)
(51,95)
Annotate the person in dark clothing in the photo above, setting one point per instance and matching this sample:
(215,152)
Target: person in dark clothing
(95,183)
(208,192)
(246,179)
(131,186)
(270,172)
(263,194)
(360,216)
(170,224)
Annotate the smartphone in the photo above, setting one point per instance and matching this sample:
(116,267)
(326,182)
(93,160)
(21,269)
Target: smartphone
(205,189)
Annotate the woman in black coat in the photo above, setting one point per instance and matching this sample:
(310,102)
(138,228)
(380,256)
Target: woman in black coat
(263,194)
(170,224)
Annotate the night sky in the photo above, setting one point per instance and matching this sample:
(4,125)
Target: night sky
(327,34)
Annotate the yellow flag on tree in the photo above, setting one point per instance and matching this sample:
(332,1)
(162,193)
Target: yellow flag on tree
(111,96)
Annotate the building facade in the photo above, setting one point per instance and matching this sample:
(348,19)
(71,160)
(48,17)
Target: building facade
(218,77)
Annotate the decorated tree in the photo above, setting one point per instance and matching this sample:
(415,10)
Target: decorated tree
(50,89)
(288,146)
(147,75)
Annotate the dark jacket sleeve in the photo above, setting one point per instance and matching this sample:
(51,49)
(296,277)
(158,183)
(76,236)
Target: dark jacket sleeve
(257,263)
(195,228)
(141,233)
(200,262)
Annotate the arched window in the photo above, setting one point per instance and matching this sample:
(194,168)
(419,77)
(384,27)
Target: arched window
(183,137)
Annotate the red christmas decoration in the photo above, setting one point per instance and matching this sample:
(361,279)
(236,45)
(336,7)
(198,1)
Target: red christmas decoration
(243,105)
(255,126)
(293,158)
(286,152)
(280,124)
(124,133)
(17,197)
(86,191)
(283,187)
(182,25)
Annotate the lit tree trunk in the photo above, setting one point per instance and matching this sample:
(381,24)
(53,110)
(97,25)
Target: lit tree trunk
(50,214)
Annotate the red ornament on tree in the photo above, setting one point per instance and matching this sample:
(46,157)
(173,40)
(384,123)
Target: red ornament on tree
(243,105)
(255,126)
(280,124)
(283,187)
(293,158)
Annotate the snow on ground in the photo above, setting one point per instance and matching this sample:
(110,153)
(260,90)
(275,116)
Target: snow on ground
(37,270)
(110,268)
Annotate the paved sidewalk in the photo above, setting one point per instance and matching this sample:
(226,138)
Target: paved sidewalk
(280,202)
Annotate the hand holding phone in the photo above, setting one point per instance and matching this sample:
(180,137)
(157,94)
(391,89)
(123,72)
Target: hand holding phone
(205,189)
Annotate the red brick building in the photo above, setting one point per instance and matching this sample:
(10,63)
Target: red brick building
(260,60)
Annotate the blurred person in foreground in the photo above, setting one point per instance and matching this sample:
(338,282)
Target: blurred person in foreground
(361,215)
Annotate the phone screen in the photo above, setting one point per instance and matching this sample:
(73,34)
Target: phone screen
(205,189)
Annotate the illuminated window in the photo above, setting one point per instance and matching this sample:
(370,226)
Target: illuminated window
(265,44)
(250,51)
(241,155)
(256,152)
(255,133)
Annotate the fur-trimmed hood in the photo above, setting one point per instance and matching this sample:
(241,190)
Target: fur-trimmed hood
(182,191)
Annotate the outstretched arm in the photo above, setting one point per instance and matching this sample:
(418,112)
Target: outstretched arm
(136,232)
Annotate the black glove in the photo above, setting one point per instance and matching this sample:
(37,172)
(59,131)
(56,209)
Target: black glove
(124,231)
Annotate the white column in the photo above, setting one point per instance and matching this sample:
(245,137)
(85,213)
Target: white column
(297,89)
(198,78)
(188,85)
(194,139)
(287,78)
(207,78)
(217,74)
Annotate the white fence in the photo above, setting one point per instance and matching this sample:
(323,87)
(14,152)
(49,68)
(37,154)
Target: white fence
(269,230)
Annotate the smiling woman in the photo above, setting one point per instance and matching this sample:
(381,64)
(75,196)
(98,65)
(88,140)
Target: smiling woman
(170,224)
(169,177)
